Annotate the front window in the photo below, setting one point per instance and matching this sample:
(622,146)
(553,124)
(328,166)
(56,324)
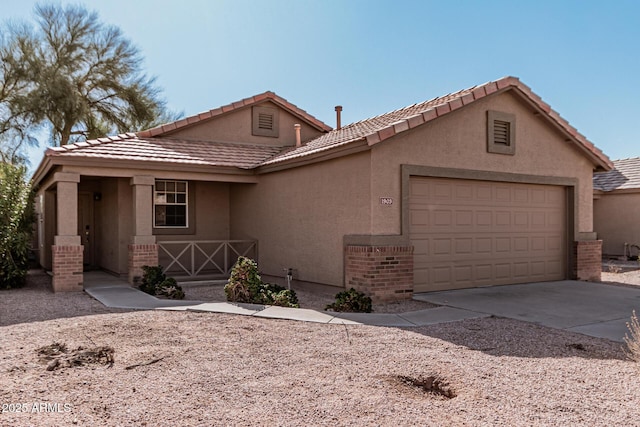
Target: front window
(170,204)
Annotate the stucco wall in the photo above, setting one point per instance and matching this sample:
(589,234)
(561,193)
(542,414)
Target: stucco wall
(236,127)
(458,140)
(300,216)
(616,220)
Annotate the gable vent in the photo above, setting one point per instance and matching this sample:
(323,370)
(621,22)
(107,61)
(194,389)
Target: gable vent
(265,121)
(501,132)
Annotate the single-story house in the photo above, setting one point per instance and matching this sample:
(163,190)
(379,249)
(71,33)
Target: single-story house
(485,186)
(616,209)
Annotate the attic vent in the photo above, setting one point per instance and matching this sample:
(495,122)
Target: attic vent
(265,121)
(501,131)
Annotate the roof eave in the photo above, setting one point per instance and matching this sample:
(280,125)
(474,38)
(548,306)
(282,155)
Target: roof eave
(353,147)
(101,163)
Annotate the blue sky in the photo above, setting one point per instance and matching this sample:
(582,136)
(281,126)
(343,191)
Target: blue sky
(581,57)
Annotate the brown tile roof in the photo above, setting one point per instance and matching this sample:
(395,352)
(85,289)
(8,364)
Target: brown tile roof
(380,128)
(150,146)
(624,176)
(257,99)
(131,147)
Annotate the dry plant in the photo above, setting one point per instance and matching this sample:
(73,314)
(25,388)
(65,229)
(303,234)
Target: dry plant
(633,341)
(615,269)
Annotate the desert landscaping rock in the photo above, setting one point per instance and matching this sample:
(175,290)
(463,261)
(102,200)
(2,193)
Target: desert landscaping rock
(201,369)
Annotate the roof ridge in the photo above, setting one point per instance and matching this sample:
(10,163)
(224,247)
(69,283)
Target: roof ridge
(90,143)
(245,102)
(627,158)
(431,109)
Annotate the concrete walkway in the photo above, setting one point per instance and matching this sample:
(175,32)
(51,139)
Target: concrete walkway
(594,309)
(116,293)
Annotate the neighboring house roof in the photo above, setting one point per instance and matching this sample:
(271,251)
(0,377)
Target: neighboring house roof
(380,128)
(247,102)
(624,176)
(156,145)
(131,147)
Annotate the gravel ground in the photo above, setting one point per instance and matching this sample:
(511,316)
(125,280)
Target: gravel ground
(202,369)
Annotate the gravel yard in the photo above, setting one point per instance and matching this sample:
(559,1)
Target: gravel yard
(202,369)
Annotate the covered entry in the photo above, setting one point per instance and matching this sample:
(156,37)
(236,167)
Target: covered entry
(469,233)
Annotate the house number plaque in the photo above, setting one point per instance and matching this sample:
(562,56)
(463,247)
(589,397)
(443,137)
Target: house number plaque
(386,201)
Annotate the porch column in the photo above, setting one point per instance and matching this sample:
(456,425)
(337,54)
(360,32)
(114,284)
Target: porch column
(143,249)
(67,252)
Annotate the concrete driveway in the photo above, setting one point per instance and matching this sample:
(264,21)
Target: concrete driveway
(595,309)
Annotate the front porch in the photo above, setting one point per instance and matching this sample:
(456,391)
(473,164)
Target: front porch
(119,224)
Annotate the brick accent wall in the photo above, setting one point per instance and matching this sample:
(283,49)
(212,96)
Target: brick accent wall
(588,260)
(140,255)
(67,268)
(384,273)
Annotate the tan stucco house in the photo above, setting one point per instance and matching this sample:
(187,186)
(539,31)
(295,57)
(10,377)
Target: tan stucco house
(616,209)
(485,186)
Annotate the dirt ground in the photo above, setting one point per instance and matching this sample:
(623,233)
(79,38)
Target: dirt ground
(66,360)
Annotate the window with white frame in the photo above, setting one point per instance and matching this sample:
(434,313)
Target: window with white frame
(170,207)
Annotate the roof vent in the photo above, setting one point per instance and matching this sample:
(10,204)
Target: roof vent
(298,140)
(338,111)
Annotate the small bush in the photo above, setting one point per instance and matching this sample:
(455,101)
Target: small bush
(244,282)
(155,282)
(246,285)
(633,341)
(351,301)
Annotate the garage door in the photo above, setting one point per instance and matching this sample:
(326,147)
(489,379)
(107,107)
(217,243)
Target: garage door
(470,233)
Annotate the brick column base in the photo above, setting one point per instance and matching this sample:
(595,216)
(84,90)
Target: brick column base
(384,273)
(140,255)
(67,267)
(588,260)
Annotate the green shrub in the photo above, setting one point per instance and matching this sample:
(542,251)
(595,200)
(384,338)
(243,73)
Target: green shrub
(246,285)
(169,288)
(155,282)
(244,282)
(16,225)
(351,301)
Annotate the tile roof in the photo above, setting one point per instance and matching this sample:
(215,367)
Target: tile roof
(380,128)
(624,176)
(257,99)
(131,147)
(155,145)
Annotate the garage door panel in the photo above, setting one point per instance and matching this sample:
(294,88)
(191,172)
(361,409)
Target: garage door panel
(442,246)
(476,233)
(441,275)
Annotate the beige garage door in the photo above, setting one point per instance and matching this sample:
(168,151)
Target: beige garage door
(479,233)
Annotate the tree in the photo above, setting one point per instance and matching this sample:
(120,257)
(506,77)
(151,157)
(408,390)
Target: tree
(76,76)
(16,122)
(16,222)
